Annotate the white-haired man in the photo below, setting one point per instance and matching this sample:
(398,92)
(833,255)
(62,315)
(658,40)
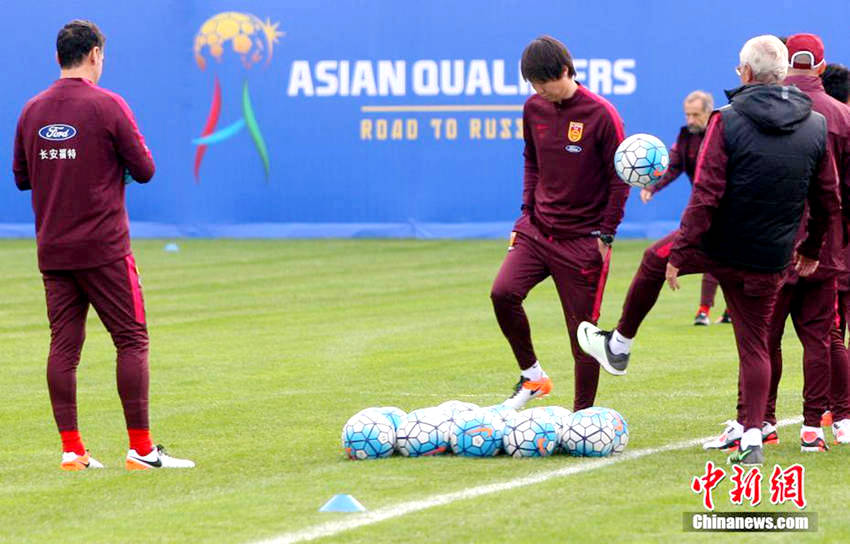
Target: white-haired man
(764,156)
(683,158)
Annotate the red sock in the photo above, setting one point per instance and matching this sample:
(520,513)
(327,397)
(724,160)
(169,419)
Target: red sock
(71,441)
(703,309)
(140,440)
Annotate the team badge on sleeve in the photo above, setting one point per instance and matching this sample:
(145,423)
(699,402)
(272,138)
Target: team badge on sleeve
(576,128)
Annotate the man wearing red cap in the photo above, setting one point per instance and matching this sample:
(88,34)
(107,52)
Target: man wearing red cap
(764,156)
(811,301)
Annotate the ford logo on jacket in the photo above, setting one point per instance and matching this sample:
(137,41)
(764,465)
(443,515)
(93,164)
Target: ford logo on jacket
(57,132)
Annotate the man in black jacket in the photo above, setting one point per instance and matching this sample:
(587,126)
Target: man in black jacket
(764,156)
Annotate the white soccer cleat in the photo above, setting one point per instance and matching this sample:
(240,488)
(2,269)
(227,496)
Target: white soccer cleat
(729,439)
(157,458)
(594,342)
(841,431)
(72,461)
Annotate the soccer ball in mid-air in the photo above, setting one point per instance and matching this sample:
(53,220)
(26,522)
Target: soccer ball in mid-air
(476,433)
(590,433)
(621,432)
(641,160)
(424,432)
(530,434)
(368,435)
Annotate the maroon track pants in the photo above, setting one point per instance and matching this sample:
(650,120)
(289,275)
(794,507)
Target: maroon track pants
(709,290)
(811,305)
(115,293)
(575,266)
(750,297)
(839,390)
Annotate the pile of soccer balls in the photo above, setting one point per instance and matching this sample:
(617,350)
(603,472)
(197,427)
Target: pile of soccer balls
(468,430)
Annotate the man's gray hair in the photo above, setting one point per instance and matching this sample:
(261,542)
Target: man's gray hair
(767,58)
(706,98)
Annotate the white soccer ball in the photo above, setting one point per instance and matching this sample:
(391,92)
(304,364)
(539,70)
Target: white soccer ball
(621,432)
(591,433)
(560,417)
(424,432)
(457,406)
(476,433)
(368,435)
(395,415)
(501,415)
(641,160)
(530,434)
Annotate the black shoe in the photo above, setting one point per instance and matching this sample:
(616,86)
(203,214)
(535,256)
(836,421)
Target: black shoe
(725,318)
(750,456)
(702,319)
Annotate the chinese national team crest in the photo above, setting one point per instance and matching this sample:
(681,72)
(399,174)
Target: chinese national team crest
(574,133)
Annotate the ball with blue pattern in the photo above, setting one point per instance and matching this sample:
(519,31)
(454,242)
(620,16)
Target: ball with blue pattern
(641,160)
(590,433)
(456,406)
(560,417)
(424,432)
(476,433)
(394,414)
(530,434)
(368,435)
(621,432)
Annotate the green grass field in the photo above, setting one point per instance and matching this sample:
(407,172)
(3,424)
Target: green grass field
(262,349)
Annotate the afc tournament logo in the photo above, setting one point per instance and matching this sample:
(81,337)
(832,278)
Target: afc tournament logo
(254,41)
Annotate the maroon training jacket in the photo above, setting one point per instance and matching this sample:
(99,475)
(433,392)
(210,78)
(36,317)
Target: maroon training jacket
(570,185)
(73,143)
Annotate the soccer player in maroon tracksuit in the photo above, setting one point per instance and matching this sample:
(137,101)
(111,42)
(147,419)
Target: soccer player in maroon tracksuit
(73,143)
(763,157)
(836,83)
(683,158)
(572,204)
(811,301)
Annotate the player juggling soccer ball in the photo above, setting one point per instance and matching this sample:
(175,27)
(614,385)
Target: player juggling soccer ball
(73,143)
(572,204)
(764,156)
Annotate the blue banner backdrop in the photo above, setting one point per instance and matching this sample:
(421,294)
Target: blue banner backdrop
(377,118)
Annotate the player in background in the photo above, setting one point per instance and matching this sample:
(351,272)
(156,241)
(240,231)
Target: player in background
(764,156)
(836,82)
(74,141)
(572,204)
(811,301)
(683,158)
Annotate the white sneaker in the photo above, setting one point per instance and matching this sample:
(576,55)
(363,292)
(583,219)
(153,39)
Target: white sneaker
(594,342)
(812,439)
(72,461)
(157,458)
(769,434)
(841,431)
(729,439)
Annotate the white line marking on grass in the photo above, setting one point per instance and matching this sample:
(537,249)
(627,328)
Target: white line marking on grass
(332,528)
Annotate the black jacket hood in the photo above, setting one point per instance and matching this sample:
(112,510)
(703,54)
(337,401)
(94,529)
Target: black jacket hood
(773,108)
